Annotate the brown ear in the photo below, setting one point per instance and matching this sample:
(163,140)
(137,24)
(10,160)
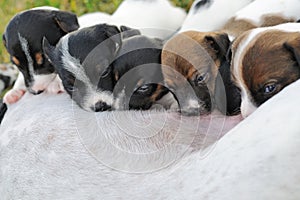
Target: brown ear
(219,42)
(67,21)
(294,47)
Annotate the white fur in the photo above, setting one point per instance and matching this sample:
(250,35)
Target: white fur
(247,105)
(214,17)
(257,9)
(62,152)
(25,48)
(44,8)
(155,18)
(91,19)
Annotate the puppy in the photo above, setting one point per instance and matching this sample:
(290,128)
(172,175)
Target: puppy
(97,46)
(91,61)
(23,41)
(211,15)
(264,61)
(154,18)
(8,75)
(192,62)
(136,74)
(262,13)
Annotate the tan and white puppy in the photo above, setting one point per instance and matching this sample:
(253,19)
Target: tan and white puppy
(191,64)
(264,61)
(263,13)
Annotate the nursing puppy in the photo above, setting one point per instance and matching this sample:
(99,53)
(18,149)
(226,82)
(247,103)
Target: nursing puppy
(211,15)
(23,41)
(195,62)
(262,13)
(91,61)
(264,61)
(136,74)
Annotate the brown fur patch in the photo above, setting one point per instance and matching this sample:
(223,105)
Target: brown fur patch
(272,20)
(16,61)
(236,27)
(157,93)
(39,58)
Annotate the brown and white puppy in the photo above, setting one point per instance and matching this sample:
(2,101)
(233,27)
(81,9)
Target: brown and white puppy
(263,13)
(264,61)
(191,64)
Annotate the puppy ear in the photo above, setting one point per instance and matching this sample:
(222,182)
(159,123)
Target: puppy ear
(129,32)
(114,34)
(49,50)
(67,21)
(293,46)
(219,42)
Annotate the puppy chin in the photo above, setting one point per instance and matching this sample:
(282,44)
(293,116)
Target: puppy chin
(41,82)
(247,108)
(194,107)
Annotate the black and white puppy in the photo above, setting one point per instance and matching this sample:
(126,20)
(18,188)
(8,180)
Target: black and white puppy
(92,60)
(23,40)
(136,74)
(79,79)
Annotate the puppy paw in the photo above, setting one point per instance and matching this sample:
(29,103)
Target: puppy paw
(13,95)
(55,87)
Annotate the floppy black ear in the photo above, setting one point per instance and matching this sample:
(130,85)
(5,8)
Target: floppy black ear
(67,21)
(49,50)
(219,42)
(114,34)
(129,32)
(294,47)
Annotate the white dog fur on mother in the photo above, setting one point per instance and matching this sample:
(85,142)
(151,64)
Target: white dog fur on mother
(51,149)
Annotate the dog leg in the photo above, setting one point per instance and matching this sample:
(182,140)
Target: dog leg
(18,90)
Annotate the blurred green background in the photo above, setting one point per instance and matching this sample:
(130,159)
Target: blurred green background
(8,8)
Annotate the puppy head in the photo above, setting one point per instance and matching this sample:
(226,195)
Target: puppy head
(136,73)
(23,41)
(81,58)
(263,63)
(194,58)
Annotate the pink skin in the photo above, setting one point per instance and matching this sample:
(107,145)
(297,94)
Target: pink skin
(13,95)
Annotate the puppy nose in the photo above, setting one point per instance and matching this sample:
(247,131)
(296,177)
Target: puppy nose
(101,106)
(36,92)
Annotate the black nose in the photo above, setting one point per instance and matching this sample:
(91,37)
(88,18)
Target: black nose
(36,92)
(101,106)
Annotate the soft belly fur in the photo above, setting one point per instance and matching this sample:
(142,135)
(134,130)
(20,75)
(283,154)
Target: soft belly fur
(51,149)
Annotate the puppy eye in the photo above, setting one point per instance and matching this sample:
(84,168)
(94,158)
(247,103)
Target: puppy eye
(200,79)
(270,88)
(143,89)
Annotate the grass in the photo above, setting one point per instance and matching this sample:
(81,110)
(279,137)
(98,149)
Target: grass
(8,8)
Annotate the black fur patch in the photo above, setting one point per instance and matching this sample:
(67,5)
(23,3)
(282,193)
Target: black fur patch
(201,4)
(3,109)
